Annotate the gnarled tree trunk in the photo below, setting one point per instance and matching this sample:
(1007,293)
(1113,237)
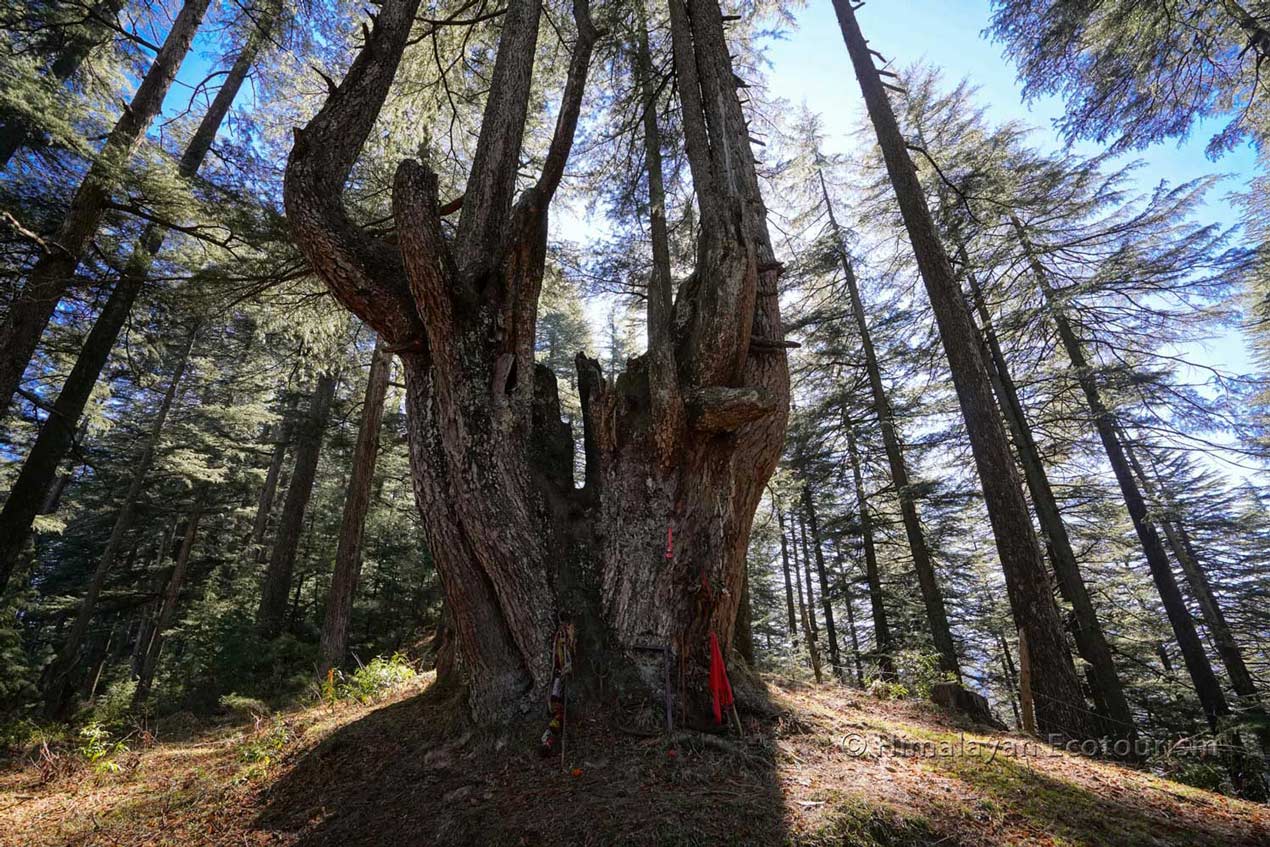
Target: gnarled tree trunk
(517,547)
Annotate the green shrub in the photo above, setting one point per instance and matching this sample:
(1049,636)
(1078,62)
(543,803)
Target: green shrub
(370,681)
(99,749)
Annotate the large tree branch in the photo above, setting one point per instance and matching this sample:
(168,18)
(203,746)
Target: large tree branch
(364,273)
(570,103)
(430,267)
(491,185)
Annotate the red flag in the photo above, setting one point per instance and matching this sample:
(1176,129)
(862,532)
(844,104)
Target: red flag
(720,688)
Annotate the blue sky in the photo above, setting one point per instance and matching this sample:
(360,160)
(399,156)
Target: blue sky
(810,65)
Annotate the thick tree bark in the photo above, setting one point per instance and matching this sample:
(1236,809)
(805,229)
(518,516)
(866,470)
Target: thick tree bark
(30,313)
(60,671)
(348,551)
(826,600)
(1060,708)
(276,587)
(927,580)
(55,439)
(517,547)
(881,628)
(167,611)
(1211,697)
(15,131)
(1091,642)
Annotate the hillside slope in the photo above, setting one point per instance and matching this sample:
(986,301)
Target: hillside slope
(830,767)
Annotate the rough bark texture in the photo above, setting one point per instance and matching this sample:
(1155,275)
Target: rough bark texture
(348,551)
(1060,709)
(927,580)
(30,313)
(1091,642)
(881,628)
(167,611)
(35,479)
(277,580)
(1211,697)
(516,546)
(59,673)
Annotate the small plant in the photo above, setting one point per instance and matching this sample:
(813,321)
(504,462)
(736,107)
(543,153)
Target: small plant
(99,749)
(369,682)
(885,690)
(262,749)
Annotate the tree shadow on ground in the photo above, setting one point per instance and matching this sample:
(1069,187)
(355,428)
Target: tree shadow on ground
(410,773)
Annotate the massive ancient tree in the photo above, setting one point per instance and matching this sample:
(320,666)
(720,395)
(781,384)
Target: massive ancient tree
(685,437)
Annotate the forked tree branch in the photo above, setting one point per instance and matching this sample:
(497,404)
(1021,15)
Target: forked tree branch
(364,273)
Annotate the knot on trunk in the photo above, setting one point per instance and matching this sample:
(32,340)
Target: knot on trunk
(720,409)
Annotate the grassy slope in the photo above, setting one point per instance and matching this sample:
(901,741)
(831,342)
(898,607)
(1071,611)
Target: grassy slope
(401,773)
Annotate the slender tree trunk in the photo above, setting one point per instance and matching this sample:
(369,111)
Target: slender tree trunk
(517,546)
(56,696)
(348,552)
(831,632)
(167,612)
(1060,708)
(15,131)
(927,580)
(807,581)
(881,629)
(1179,541)
(273,479)
(789,585)
(276,587)
(848,601)
(1091,642)
(30,313)
(1011,678)
(813,649)
(150,611)
(665,400)
(1211,697)
(55,438)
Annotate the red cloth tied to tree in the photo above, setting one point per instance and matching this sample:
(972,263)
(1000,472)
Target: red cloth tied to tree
(720,688)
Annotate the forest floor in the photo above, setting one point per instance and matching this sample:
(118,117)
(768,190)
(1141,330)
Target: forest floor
(828,766)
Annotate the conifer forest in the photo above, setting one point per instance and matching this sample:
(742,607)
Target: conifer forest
(635,422)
